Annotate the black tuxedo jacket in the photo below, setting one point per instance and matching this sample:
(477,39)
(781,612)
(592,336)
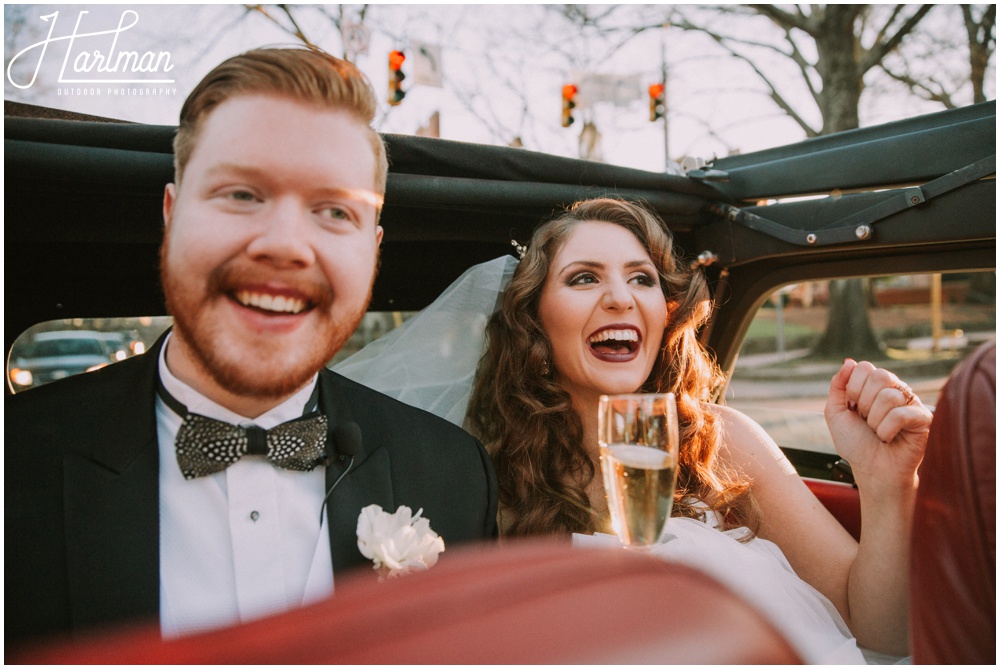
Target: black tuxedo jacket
(81,486)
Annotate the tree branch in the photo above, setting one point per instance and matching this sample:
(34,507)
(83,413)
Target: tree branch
(922,89)
(878,51)
(982,42)
(885,26)
(986,24)
(684,24)
(785,19)
(805,67)
(335,20)
(295,31)
(796,56)
(775,96)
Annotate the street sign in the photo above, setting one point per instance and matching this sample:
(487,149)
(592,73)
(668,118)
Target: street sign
(619,90)
(356,37)
(426,59)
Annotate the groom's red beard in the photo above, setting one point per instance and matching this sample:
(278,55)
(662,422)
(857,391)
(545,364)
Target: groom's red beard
(263,365)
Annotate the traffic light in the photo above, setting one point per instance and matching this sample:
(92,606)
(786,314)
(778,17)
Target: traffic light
(657,102)
(396,76)
(568,93)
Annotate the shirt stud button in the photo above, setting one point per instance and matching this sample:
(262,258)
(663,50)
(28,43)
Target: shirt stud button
(254,515)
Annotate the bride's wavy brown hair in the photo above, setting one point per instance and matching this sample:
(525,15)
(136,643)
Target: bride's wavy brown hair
(527,422)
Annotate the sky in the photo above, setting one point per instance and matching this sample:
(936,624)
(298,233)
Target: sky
(503,69)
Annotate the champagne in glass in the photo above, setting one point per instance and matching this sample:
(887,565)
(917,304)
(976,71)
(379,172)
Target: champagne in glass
(638,436)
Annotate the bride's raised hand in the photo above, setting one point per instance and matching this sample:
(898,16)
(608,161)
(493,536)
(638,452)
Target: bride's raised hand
(878,425)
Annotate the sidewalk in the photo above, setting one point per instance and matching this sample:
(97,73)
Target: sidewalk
(916,361)
(790,380)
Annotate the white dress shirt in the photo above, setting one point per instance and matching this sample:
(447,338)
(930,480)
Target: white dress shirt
(242,543)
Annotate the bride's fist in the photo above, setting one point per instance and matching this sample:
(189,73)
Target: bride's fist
(878,424)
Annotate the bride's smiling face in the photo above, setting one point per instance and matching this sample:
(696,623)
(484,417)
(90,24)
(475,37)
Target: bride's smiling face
(603,311)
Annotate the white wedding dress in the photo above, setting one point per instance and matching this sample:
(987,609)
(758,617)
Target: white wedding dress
(757,571)
(430,362)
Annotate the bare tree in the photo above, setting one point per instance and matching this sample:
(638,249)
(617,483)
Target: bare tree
(830,47)
(982,45)
(922,72)
(833,48)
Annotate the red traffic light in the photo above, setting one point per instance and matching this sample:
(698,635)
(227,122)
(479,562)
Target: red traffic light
(657,102)
(396,76)
(396,59)
(568,93)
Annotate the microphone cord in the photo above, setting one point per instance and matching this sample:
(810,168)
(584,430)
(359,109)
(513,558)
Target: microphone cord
(322,508)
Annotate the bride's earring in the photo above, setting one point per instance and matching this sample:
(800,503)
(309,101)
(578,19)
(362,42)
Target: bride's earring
(545,368)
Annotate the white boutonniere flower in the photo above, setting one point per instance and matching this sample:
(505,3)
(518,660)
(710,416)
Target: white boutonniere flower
(397,543)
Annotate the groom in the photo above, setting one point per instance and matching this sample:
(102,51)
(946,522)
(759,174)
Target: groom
(125,498)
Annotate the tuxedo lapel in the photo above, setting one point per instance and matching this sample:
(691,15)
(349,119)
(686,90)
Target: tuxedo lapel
(112,527)
(368,481)
(112,505)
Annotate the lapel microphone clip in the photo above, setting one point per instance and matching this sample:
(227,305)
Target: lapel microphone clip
(347,443)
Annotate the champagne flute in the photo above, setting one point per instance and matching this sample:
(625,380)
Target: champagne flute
(639,439)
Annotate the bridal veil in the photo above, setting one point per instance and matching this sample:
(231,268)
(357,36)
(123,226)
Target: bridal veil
(430,360)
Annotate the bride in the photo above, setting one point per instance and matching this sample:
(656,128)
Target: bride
(601,304)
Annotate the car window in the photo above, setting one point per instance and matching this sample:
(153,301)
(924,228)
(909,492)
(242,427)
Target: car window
(924,325)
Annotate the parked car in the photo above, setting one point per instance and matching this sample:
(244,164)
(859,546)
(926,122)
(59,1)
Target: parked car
(51,356)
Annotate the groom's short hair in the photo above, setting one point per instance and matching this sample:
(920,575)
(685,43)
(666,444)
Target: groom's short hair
(304,74)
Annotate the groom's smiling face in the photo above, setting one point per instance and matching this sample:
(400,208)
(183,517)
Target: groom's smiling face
(270,247)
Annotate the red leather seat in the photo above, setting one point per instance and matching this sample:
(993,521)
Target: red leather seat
(842,500)
(953,553)
(521,603)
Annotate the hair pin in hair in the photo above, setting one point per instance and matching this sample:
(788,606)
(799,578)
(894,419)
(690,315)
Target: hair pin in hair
(704,259)
(520,248)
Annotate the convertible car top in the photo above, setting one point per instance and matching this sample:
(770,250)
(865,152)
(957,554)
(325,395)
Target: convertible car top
(84,203)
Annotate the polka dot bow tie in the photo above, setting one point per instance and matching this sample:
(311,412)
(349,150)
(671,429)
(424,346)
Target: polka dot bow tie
(205,446)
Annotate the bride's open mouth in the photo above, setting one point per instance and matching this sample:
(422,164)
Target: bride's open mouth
(618,343)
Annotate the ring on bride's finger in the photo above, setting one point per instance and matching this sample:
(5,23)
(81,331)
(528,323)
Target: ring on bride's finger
(908,395)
